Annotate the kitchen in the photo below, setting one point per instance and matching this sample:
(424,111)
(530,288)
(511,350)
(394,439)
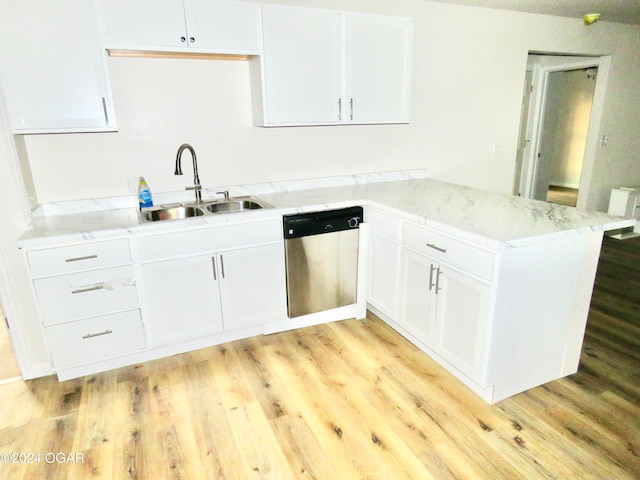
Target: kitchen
(450,133)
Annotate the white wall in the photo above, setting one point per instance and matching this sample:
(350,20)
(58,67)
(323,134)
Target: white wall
(468,73)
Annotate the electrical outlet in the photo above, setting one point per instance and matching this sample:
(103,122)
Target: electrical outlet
(604,140)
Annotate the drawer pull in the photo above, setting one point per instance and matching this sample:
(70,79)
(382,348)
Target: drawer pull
(78,259)
(99,334)
(435,247)
(87,289)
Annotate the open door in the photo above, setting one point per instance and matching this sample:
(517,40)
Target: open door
(560,136)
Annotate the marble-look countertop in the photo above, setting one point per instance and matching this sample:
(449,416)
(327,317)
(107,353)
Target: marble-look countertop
(494,220)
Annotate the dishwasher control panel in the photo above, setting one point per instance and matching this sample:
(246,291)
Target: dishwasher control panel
(325,221)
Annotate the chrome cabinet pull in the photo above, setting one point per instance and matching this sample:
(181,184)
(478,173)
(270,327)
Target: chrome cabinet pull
(104,111)
(92,335)
(183,39)
(351,109)
(431,270)
(435,247)
(87,289)
(78,259)
(222,265)
(192,39)
(215,275)
(340,109)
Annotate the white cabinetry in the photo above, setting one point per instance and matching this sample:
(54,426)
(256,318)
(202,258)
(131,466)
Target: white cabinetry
(88,302)
(181,298)
(202,282)
(324,67)
(384,251)
(52,67)
(198,25)
(445,305)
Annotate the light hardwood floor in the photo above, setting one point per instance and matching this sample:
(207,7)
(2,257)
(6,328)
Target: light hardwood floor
(346,400)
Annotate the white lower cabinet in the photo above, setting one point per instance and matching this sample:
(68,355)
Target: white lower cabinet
(181,298)
(94,339)
(88,301)
(446,310)
(383,274)
(202,282)
(252,286)
(193,297)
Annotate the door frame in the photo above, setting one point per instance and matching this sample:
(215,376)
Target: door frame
(536,119)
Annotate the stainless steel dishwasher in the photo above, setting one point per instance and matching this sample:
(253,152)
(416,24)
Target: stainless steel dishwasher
(321,251)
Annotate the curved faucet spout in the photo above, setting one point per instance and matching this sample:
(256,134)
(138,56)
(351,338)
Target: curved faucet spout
(196,178)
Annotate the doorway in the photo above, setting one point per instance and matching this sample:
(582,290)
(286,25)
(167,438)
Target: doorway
(562,101)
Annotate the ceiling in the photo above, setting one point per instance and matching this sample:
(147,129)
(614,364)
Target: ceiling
(621,11)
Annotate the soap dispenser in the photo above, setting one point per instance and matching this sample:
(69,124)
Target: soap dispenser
(144,194)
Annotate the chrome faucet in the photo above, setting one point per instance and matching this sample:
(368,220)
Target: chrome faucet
(196,179)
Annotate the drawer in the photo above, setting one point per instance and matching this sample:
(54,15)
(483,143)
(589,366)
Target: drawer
(383,224)
(446,249)
(84,294)
(83,256)
(212,239)
(95,339)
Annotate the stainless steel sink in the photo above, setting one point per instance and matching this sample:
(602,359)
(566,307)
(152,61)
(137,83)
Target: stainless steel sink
(180,211)
(228,206)
(172,213)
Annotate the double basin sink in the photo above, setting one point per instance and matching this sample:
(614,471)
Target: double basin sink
(188,210)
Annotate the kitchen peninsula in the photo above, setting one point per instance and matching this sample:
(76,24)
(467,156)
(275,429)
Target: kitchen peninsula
(496,288)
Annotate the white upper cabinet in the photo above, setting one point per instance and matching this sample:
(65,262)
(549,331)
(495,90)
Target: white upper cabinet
(324,67)
(52,67)
(174,25)
(378,67)
(302,65)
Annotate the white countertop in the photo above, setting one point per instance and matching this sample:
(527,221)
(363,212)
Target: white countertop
(495,220)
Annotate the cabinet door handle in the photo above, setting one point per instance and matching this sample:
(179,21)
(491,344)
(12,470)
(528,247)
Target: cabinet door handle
(222,265)
(431,270)
(87,289)
(104,111)
(351,109)
(78,259)
(99,334)
(213,262)
(192,39)
(438,280)
(183,39)
(339,109)
(435,247)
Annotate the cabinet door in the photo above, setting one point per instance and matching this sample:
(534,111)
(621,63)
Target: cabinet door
(417,301)
(144,23)
(52,67)
(383,274)
(461,321)
(302,69)
(222,26)
(181,298)
(252,286)
(378,68)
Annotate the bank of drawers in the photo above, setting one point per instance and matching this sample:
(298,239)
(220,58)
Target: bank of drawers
(456,253)
(88,301)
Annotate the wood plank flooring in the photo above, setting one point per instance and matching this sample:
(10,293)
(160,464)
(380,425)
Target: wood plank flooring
(346,400)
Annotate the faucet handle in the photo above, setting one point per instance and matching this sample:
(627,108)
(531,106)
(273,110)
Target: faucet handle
(194,187)
(225,193)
